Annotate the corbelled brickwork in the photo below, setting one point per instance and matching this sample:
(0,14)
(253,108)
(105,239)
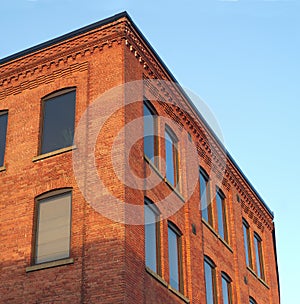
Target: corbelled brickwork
(107,257)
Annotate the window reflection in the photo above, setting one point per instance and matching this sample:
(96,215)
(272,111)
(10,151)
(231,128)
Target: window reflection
(175,266)
(171,158)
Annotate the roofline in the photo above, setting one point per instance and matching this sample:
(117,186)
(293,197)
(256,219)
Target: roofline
(64,37)
(114,18)
(227,153)
(201,117)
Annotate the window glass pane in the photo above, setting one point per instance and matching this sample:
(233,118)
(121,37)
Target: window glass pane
(204,197)
(209,283)
(226,291)
(150,239)
(252,301)
(53,228)
(171,155)
(258,255)
(58,122)
(3,129)
(247,245)
(173,259)
(221,216)
(148,133)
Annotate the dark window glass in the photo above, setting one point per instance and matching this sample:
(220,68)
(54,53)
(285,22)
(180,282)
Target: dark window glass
(58,122)
(247,245)
(53,228)
(222,223)
(152,238)
(171,158)
(226,289)
(175,266)
(205,197)
(252,301)
(3,129)
(210,281)
(149,133)
(258,256)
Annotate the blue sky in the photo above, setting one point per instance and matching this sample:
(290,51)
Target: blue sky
(241,57)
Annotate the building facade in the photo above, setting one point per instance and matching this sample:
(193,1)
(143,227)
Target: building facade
(114,189)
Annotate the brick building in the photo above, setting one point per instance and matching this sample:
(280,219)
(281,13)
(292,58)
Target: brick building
(72,211)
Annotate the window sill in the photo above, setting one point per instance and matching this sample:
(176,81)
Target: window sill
(153,166)
(50,265)
(156,276)
(164,283)
(53,153)
(217,235)
(256,276)
(174,189)
(2,168)
(179,294)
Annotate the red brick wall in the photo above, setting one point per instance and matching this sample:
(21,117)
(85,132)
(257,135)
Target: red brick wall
(109,257)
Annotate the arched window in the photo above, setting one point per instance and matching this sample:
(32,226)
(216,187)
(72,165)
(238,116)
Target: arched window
(210,281)
(259,256)
(222,218)
(150,130)
(226,289)
(247,243)
(175,257)
(53,226)
(171,146)
(152,237)
(206,207)
(3,129)
(57,130)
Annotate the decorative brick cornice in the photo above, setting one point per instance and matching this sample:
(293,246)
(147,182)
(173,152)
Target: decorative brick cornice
(43,79)
(18,75)
(208,148)
(61,54)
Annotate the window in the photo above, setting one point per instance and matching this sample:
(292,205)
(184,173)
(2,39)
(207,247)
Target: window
(221,209)
(152,240)
(58,121)
(247,245)
(226,289)
(210,281)
(171,157)
(175,258)
(3,129)
(205,197)
(258,256)
(150,144)
(53,226)
(252,301)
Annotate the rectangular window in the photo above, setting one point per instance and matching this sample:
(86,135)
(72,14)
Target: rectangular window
(3,130)
(222,221)
(175,258)
(247,245)
(226,289)
(58,121)
(152,241)
(259,256)
(205,197)
(53,227)
(149,132)
(171,158)
(210,281)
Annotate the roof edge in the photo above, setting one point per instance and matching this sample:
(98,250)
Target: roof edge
(271,213)
(64,37)
(114,18)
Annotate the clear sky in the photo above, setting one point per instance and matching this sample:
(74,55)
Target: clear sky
(240,56)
